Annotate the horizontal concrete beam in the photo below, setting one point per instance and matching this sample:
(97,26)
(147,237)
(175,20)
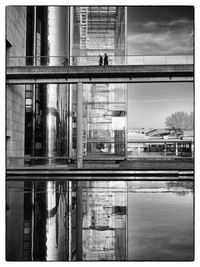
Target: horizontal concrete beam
(94,80)
(100,74)
(82,174)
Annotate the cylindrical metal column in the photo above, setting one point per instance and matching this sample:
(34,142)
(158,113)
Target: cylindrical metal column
(79,126)
(55,93)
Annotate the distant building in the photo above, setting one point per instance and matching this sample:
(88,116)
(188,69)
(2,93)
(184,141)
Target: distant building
(160,132)
(160,143)
(136,138)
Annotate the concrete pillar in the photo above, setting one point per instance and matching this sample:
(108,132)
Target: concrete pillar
(165,149)
(79,126)
(79,164)
(176,149)
(192,149)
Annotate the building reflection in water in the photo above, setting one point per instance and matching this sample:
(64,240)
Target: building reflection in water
(103,221)
(50,221)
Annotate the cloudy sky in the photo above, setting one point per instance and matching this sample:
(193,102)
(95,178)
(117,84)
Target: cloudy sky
(159,31)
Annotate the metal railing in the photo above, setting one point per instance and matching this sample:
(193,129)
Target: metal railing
(15,61)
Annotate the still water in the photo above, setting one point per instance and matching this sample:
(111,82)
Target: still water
(99,221)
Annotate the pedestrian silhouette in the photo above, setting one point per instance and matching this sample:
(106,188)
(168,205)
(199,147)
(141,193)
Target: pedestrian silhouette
(65,63)
(100,60)
(105,60)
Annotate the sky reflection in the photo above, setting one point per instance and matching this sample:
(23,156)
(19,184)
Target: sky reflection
(160,226)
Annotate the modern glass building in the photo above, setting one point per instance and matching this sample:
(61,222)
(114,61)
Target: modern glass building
(60,213)
(75,36)
(47,105)
(102,30)
(41,218)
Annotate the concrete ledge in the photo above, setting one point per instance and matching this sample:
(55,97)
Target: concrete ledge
(84,174)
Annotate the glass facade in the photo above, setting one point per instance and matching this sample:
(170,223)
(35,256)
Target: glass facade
(110,209)
(47,105)
(66,36)
(102,30)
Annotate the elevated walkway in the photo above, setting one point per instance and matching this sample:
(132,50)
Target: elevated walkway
(100,74)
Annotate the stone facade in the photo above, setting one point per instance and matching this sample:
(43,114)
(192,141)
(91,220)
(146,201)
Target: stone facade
(15,132)
(15,95)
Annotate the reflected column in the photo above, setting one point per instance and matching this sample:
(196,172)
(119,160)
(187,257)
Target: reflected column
(79,221)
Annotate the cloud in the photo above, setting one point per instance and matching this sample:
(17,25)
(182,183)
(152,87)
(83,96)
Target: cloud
(173,36)
(164,27)
(160,43)
(162,15)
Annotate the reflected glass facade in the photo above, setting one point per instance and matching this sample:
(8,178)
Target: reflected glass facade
(104,228)
(102,221)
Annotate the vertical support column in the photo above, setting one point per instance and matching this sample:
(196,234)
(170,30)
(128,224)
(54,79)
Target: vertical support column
(33,221)
(126,86)
(70,37)
(70,221)
(69,121)
(165,149)
(126,122)
(126,34)
(127,183)
(79,126)
(192,149)
(34,85)
(79,164)
(71,34)
(176,149)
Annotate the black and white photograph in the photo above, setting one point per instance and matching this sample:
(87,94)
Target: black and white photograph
(99,133)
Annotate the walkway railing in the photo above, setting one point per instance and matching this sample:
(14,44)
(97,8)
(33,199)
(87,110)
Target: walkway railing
(15,61)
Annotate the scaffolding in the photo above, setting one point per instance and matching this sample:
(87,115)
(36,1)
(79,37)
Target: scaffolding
(102,30)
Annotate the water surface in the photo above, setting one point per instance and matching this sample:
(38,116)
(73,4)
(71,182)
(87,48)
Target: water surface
(100,221)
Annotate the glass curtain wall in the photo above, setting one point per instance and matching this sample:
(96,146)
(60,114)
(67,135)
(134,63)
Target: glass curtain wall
(102,30)
(47,106)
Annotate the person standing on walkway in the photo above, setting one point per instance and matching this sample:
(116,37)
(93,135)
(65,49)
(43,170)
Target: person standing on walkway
(65,63)
(100,60)
(105,60)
